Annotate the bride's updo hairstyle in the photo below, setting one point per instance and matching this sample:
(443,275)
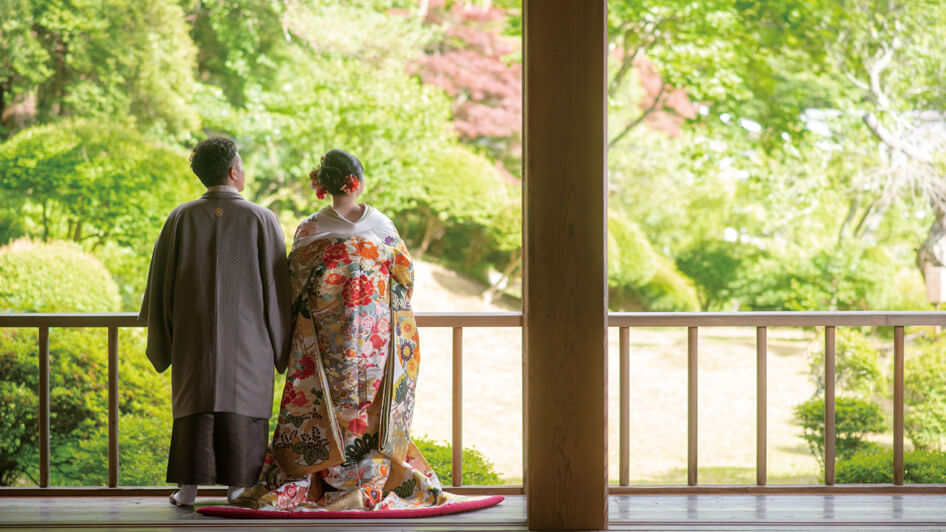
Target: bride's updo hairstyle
(339,173)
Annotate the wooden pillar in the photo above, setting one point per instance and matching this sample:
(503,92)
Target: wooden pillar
(564,267)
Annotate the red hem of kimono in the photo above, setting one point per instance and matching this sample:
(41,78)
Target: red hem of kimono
(402,513)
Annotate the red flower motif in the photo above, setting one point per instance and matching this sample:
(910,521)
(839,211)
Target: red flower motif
(291,396)
(358,291)
(376,341)
(306,368)
(335,253)
(291,491)
(334,278)
(299,399)
(357,426)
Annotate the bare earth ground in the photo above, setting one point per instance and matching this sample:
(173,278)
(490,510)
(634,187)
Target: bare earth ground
(492,393)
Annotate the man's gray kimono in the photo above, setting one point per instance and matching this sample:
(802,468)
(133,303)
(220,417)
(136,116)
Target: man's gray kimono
(218,312)
(217,305)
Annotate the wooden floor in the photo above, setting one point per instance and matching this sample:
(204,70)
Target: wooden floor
(699,512)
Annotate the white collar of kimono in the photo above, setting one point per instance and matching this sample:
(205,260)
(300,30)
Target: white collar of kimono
(222,188)
(333,225)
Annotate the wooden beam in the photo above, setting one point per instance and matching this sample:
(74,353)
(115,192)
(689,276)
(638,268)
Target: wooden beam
(774,319)
(564,269)
(514,319)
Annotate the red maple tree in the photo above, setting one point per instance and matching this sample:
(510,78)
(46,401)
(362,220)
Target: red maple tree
(475,64)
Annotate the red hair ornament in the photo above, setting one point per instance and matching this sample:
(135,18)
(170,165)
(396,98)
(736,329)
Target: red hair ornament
(349,187)
(351,184)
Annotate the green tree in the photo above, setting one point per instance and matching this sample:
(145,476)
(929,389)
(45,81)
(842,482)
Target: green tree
(886,53)
(338,82)
(459,188)
(91,183)
(714,266)
(703,48)
(114,60)
(104,186)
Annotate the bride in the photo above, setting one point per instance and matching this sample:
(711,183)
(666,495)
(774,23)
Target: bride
(342,441)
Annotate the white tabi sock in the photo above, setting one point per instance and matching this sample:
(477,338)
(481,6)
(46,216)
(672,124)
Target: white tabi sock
(234,491)
(186,494)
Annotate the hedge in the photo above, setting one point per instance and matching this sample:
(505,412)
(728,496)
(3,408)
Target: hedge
(919,467)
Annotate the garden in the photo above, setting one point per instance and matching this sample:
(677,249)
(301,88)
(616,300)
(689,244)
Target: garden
(771,155)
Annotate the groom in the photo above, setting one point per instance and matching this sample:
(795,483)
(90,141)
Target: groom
(217,307)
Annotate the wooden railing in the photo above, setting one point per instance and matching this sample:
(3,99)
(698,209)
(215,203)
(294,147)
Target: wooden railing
(692,321)
(624,322)
(112,322)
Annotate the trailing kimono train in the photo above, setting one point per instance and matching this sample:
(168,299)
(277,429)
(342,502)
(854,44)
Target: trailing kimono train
(343,436)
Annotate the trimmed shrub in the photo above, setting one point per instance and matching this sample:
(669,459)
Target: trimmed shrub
(54,277)
(854,419)
(477,469)
(919,467)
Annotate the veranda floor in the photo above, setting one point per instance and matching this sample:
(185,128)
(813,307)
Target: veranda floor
(698,512)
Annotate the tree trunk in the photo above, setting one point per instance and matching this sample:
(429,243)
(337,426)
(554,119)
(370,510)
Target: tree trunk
(429,231)
(45,224)
(933,250)
(475,251)
(514,263)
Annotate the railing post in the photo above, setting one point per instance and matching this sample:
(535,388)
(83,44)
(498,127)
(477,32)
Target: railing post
(112,407)
(761,405)
(43,407)
(457,441)
(624,406)
(898,369)
(829,405)
(692,415)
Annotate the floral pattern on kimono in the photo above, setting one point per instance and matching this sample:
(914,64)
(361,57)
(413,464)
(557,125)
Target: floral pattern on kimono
(342,441)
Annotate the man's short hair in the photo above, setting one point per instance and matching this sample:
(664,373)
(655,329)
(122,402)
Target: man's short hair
(211,160)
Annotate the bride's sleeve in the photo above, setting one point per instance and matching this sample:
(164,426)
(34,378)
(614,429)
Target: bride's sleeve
(402,269)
